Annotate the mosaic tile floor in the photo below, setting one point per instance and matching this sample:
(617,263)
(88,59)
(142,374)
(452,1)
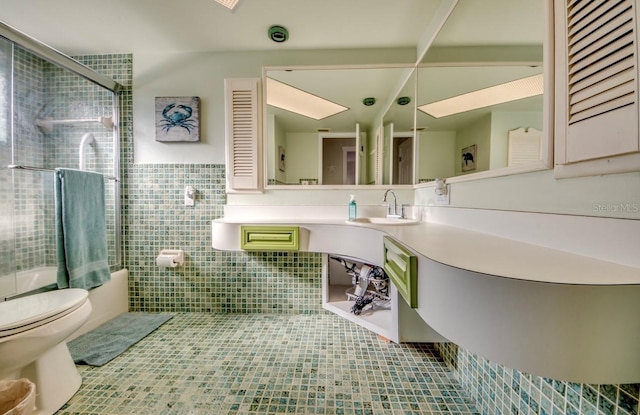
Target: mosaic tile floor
(200,363)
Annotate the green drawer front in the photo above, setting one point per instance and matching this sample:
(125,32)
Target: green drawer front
(269,238)
(401,267)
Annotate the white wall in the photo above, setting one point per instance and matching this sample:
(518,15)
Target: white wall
(202,75)
(302,156)
(478,133)
(616,195)
(438,156)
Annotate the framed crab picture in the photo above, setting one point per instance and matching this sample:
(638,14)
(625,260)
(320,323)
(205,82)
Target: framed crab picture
(177,119)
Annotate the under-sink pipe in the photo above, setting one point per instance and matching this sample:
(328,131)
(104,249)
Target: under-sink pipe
(87,139)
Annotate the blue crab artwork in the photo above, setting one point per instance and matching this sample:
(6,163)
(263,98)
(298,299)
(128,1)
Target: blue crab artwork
(177,119)
(177,116)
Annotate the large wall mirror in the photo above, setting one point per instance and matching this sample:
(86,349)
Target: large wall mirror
(322,123)
(416,128)
(480,100)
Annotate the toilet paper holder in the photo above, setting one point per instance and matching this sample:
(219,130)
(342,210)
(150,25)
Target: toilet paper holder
(170,258)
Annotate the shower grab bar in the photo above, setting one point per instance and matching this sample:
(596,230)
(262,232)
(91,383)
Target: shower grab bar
(30,168)
(46,124)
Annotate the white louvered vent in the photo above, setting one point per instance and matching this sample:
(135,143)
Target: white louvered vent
(596,73)
(243,127)
(242,134)
(601,50)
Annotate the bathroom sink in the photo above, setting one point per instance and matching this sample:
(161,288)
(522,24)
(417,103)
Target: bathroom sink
(383,221)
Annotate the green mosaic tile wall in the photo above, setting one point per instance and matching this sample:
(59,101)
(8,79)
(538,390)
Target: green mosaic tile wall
(155,218)
(28,205)
(499,390)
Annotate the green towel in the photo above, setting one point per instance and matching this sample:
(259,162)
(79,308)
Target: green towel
(81,230)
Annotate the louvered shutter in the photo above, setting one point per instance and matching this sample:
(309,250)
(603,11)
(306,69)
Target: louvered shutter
(242,137)
(597,79)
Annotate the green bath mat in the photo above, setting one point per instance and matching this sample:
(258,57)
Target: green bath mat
(106,342)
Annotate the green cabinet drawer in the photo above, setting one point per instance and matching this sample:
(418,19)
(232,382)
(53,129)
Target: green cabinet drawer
(401,267)
(269,238)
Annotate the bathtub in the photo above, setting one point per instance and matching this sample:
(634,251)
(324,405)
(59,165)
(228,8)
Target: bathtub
(108,301)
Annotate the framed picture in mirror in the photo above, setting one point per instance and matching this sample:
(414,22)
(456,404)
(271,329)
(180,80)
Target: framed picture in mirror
(468,158)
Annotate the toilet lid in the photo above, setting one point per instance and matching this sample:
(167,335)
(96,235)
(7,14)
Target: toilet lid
(16,315)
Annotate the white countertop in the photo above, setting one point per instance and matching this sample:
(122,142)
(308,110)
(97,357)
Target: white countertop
(480,252)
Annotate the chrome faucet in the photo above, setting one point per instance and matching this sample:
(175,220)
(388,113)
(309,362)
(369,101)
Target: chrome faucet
(392,210)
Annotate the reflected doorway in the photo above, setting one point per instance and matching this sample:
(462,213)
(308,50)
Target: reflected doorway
(338,160)
(348,165)
(402,159)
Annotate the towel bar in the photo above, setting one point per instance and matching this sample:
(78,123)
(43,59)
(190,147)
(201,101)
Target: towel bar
(18,167)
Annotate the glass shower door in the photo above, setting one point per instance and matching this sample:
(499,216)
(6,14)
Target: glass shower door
(54,113)
(7,216)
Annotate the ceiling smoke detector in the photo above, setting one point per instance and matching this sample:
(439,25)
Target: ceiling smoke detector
(278,34)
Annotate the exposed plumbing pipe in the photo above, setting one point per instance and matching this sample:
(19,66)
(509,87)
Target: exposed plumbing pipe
(87,139)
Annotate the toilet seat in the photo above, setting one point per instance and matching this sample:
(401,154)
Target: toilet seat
(28,312)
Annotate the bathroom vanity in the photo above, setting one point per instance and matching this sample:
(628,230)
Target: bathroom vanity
(397,321)
(543,303)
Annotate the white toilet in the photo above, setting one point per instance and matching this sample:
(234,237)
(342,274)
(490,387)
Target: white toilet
(33,331)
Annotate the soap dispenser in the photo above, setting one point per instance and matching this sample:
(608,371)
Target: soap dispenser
(352,208)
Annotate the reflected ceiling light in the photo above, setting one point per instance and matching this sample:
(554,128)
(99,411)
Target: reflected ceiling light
(499,94)
(300,102)
(229,4)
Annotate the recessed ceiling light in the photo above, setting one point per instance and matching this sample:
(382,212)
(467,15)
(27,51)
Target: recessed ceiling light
(278,34)
(229,4)
(300,102)
(369,101)
(498,94)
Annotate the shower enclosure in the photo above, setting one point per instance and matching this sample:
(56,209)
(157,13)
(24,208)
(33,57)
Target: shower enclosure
(54,112)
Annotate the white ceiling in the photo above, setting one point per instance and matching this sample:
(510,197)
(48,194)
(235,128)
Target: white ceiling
(78,27)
